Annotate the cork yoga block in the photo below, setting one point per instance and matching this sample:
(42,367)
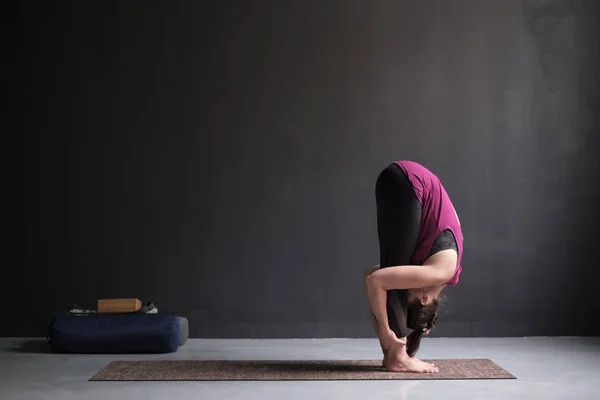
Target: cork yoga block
(112,306)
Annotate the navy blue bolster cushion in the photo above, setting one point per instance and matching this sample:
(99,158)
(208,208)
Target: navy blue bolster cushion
(114,334)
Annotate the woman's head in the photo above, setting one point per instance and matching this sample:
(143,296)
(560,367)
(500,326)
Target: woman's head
(425,295)
(422,315)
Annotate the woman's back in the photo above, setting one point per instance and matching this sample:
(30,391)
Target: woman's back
(438,213)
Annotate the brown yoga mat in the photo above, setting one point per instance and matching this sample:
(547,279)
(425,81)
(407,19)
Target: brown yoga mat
(279,370)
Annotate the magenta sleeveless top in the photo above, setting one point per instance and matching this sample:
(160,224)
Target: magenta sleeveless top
(437,214)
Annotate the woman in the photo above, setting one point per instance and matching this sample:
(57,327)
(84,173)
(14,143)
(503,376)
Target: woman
(421,245)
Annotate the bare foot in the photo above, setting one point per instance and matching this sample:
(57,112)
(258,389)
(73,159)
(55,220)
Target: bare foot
(412,365)
(416,359)
(398,363)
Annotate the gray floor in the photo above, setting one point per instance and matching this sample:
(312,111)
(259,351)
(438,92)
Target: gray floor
(546,368)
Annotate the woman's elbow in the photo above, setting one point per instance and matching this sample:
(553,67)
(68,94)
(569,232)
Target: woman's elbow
(374,281)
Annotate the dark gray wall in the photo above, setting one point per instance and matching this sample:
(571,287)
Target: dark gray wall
(219,158)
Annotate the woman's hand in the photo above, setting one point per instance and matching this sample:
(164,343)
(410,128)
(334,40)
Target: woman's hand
(387,337)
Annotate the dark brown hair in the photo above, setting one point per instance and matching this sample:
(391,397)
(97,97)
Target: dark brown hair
(420,317)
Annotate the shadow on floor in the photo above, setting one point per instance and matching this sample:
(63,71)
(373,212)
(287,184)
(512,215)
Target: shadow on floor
(34,346)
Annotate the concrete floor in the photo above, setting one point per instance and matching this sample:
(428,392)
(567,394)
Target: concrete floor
(546,368)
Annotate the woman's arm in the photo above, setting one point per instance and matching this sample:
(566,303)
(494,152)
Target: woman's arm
(438,269)
(407,277)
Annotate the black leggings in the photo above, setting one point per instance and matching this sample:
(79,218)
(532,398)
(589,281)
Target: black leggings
(398,227)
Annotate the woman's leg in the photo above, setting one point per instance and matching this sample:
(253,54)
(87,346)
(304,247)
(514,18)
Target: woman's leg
(398,227)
